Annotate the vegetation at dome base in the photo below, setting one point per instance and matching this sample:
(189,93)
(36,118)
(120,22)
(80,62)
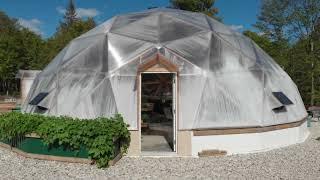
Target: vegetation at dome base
(96,135)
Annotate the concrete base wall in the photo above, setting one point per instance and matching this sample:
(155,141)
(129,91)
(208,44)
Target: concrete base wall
(250,142)
(135,144)
(190,145)
(184,146)
(25,86)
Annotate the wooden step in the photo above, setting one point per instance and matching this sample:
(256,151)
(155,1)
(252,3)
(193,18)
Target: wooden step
(7,107)
(212,152)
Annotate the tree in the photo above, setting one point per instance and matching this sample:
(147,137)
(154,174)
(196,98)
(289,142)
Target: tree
(204,6)
(303,19)
(64,35)
(294,21)
(20,48)
(273,19)
(288,19)
(7,24)
(70,28)
(70,15)
(272,47)
(317,39)
(32,50)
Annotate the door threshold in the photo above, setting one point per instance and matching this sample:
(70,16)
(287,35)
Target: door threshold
(158,154)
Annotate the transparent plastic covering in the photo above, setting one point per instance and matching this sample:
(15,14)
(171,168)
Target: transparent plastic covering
(225,80)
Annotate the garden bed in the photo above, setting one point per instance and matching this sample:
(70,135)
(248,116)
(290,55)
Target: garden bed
(34,147)
(101,141)
(37,146)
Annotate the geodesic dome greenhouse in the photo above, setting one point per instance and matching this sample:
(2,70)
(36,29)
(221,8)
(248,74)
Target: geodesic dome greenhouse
(225,79)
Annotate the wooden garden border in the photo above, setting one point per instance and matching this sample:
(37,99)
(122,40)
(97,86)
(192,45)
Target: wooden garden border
(55,158)
(46,157)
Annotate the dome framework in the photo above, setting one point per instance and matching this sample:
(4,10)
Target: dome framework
(224,79)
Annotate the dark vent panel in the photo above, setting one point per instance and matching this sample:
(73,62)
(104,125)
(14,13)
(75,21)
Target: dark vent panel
(282,98)
(36,100)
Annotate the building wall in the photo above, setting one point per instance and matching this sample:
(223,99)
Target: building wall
(190,145)
(26,84)
(26,80)
(250,142)
(184,145)
(135,144)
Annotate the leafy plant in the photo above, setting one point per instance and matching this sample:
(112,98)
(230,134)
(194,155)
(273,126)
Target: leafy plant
(98,135)
(14,124)
(145,117)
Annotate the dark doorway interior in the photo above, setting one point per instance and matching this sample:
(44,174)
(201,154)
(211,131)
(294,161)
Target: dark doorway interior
(156,112)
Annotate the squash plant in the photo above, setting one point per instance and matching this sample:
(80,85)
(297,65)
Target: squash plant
(96,135)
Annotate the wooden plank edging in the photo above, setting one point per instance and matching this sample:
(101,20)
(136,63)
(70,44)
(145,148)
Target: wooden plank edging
(115,160)
(46,157)
(208,132)
(32,135)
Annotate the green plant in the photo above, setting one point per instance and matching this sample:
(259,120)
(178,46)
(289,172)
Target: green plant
(96,135)
(145,117)
(14,125)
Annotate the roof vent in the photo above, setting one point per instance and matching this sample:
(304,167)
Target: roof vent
(279,109)
(282,98)
(282,102)
(36,100)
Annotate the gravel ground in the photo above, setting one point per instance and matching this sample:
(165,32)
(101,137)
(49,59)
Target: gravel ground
(300,161)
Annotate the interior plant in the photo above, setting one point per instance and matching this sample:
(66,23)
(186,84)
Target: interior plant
(145,117)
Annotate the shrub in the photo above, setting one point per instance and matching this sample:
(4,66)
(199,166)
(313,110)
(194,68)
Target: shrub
(96,135)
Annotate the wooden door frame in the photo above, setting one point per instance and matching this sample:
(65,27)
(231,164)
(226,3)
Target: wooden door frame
(166,67)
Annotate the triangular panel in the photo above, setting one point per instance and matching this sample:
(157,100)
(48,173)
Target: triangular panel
(194,49)
(93,58)
(54,65)
(121,49)
(78,45)
(144,29)
(101,29)
(125,96)
(197,19)
(125,20)
(103,100)
(173,28)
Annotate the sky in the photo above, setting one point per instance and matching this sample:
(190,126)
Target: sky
(43,16)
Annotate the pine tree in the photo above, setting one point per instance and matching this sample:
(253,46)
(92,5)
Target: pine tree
(71,15)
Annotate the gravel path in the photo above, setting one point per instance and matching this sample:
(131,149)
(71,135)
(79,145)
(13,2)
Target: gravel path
(300,161)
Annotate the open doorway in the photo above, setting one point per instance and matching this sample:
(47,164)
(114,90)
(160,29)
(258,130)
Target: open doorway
(158,93)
